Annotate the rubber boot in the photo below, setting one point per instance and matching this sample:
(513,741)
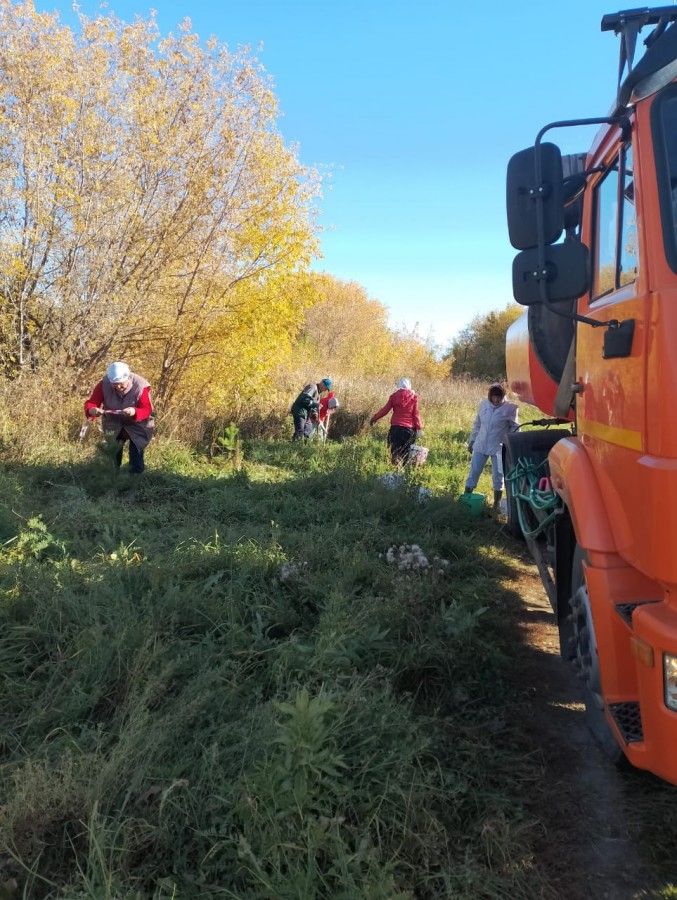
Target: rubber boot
(497,499)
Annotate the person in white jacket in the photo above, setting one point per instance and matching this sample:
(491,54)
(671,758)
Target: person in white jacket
(495,419)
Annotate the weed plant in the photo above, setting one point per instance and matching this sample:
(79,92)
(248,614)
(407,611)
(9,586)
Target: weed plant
(214,683)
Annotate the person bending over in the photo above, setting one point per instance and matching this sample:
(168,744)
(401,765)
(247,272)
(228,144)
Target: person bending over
(405,423)
(305,409)
(122,399)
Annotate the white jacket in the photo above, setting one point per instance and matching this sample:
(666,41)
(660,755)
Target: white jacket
(492,426)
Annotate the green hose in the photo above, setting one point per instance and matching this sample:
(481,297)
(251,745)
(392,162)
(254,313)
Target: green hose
(524,479)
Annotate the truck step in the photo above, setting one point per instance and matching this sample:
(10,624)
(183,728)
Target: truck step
(625,610)
(628,718)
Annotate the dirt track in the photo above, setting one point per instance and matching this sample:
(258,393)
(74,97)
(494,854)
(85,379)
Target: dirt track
(594,839)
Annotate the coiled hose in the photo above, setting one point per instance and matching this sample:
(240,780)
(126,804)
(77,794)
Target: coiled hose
(524,479)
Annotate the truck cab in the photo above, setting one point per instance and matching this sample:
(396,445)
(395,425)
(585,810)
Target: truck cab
(596,351)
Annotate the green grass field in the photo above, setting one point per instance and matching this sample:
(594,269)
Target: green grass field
(215,683)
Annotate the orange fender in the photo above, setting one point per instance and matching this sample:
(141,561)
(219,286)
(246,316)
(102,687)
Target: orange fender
(573,478)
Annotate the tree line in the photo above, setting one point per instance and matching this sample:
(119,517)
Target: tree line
(478,350)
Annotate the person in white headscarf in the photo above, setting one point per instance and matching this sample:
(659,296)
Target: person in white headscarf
(122,399)
(405,424)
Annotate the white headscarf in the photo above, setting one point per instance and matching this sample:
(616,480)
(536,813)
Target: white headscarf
(404,384)
(117,372)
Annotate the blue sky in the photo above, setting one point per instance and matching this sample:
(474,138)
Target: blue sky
(415,108)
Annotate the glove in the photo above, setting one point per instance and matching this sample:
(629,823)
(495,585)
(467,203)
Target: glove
(470,446)
(95,412)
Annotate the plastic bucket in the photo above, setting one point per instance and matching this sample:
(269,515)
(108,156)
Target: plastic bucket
(473,502)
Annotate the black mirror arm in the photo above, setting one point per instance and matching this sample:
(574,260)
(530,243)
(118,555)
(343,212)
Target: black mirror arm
(540,192)
(586,320)
(621,120)
(541,278)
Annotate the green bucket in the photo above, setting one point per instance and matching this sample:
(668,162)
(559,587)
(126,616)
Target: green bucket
(474,503)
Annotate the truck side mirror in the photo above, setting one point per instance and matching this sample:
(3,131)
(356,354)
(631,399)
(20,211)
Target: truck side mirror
(522,195)
(566,273)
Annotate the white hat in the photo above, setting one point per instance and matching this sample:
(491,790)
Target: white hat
(404,383)
(117,372)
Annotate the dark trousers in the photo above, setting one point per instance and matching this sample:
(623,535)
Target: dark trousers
(136,464)
(303,427)
(400,440)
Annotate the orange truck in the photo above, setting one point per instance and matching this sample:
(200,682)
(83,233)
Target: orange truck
(594,494)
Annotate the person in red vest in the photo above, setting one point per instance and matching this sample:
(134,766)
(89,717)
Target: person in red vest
(122,399)
(328,406)
(325,408)
(405,423)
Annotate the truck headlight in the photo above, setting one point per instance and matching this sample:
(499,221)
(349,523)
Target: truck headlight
(670,680)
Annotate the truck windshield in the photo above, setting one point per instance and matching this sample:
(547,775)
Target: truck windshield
(664,123)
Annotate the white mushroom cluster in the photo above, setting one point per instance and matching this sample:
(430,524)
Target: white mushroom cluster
(407,558)
(291,571)
(410,558)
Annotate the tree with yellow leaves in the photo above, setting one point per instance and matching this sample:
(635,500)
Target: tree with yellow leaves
(148,206)
(347,331)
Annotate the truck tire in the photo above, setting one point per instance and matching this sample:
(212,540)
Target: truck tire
(586,661)
(535,445)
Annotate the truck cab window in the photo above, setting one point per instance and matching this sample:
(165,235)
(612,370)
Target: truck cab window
(628,256)
(664,120)
(616,258)
(606,204)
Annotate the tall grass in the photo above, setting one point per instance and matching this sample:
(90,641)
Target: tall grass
(41,412)
(215,683)
(38,413)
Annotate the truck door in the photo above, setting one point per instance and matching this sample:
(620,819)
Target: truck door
(611,406)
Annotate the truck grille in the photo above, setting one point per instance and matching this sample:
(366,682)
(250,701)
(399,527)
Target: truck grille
(629,721)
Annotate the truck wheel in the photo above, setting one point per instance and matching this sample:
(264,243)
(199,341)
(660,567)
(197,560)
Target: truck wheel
(586,661)
(535,445)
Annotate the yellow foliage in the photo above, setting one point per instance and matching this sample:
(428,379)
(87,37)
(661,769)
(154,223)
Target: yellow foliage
(148,207)
(244,346)
(150,210)
(345,331)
